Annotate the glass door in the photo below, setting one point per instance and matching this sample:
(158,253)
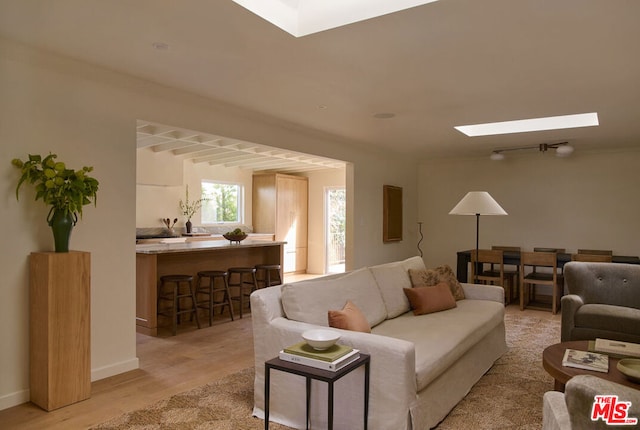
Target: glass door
(335,224)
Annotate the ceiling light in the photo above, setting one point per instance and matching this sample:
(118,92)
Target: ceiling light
(384,115)
(160,46)
(497,156)
(303,17)
(563,149)
(534,124)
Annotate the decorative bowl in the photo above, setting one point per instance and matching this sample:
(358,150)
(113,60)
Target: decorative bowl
(630,367)
(235,237)
(321,339)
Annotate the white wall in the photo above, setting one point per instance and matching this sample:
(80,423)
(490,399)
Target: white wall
(163,184)
(87,115)
(588,200)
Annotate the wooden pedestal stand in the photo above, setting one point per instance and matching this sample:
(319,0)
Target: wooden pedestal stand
(59,333)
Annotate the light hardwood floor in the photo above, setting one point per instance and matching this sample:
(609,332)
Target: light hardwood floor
(168,365)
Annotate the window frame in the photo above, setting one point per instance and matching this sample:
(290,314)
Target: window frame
(240,201)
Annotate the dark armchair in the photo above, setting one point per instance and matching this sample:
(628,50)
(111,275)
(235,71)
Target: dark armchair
(602,300)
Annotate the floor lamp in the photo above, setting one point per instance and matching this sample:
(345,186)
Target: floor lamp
(477,203)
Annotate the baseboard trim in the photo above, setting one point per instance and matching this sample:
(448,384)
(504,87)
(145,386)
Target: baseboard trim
(19,397)
(114,369)
(14,399)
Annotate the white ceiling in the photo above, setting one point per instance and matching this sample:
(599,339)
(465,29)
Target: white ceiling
(447,63)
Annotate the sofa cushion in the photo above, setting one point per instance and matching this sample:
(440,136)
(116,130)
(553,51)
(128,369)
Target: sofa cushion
(392,278)
(425,300)
(430,277)
(349,318)
(608,317)
(310,301)
(441,338)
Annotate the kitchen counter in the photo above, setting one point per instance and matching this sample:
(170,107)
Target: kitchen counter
(158,259)
(200,245)
(200,237)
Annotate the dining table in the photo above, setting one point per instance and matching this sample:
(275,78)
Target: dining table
(513,258)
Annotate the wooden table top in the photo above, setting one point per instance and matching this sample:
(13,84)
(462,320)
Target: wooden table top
(552,363)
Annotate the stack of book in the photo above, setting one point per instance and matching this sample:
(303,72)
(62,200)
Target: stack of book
(615,348)
(333,358)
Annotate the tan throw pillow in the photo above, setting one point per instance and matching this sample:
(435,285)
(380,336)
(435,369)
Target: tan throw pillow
(426,300)
(431,277)
(349,318)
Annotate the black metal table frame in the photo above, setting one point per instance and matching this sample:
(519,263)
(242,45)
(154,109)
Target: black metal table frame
(513,258)
(318,374)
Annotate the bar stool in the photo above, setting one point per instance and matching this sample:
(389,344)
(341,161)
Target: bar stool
(175,295)
(242,283)
(210,290)
(263,275)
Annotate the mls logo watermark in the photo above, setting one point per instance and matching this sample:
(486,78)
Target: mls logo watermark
(612,411)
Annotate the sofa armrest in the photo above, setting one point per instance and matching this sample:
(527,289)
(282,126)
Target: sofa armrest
(579,397)
(555,415)
(392,361)
(483,292)
(570,304)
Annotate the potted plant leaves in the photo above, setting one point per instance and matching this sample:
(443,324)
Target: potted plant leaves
(65,190)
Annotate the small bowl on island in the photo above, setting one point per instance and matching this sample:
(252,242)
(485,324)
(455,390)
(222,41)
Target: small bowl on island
(236,235)
(321,339)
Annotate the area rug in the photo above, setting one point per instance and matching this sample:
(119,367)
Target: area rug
(509,396)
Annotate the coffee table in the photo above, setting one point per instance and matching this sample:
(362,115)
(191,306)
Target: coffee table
(552,363)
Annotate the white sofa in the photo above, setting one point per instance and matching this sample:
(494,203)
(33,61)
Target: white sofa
(421,366)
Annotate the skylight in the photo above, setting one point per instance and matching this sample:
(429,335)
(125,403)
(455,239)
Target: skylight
(303,17)
(534,124)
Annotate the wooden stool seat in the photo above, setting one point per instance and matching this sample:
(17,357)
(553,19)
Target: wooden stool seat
(242,283)
(175,295)
(210,291)
(263,274)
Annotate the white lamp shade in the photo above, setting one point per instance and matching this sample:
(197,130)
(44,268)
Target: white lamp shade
(477,202)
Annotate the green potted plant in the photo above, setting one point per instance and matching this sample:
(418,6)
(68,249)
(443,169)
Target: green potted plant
(65,190)
(189,209)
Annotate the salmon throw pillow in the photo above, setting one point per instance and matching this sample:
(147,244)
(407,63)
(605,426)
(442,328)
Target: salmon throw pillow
(349,318)
(426,300)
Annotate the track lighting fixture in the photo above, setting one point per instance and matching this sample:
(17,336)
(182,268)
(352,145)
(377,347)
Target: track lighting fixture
(563,149)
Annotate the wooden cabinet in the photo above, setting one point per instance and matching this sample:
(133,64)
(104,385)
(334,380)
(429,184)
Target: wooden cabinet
(60,328)
(280,206)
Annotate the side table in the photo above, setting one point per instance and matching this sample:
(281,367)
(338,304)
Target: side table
(321,375)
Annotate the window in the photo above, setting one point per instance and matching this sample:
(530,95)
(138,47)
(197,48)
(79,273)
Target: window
(223,202)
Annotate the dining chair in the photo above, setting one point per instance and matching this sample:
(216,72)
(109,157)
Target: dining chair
(556,250)
(552,278)
(511,270)
(593,258)
(596,251)
(494,275)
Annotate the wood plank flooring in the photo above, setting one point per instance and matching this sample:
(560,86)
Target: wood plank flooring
(168,365)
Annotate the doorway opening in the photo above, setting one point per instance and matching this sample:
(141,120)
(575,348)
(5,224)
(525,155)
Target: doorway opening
(335,228)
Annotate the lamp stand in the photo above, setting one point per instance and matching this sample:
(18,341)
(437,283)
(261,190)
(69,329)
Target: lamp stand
(475,271)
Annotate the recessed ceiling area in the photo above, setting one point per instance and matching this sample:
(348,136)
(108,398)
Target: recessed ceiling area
(227,152)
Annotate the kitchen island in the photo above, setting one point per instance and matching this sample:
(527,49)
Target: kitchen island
(188,258)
